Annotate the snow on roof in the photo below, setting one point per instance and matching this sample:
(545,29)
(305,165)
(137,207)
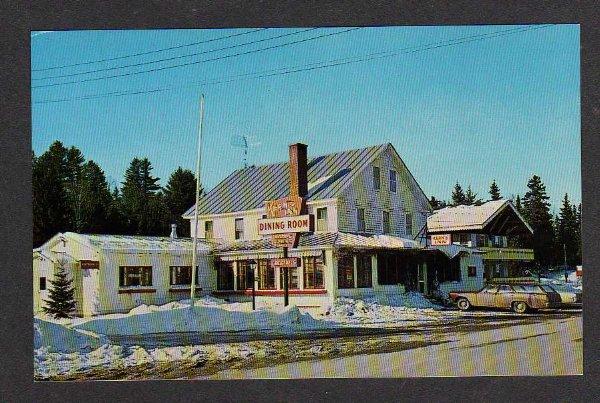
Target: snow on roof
(135,242)
(322,239)
(453,250)
(468,217)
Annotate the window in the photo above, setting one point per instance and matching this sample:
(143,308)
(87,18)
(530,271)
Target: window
(239,228)
(504,289)
(491,289)
(393,181)
(472,271)
(360,220)
(266,275)
(386,222)
(314,268)
(42,283)
(461,238)
(244,275)
(133,276)
(322,219)
(346,271)
(225,275)
(181,275)
(292,278)
(409,224)
(208,230)
(482,240)
(363,271)
(376,178)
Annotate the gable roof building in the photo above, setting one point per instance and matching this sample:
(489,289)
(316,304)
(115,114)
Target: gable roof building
(328,176)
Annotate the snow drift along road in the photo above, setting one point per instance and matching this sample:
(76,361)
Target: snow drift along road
(203,318)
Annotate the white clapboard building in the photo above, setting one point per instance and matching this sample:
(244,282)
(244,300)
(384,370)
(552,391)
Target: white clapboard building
(115,273)
(368,237)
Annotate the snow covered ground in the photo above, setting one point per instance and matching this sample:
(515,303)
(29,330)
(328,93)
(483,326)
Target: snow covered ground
(69,346)
(397,309)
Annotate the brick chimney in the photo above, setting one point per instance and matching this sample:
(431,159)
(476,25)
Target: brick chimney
(298,170)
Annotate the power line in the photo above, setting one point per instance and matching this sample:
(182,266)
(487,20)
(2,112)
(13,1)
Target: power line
(146,53)
(174,57)
(198,61)
(310,66)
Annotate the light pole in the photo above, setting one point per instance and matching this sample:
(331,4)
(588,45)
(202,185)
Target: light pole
(565,265)
(195,242)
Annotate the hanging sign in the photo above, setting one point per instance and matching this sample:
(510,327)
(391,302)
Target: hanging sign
(284,221)
(286,262)
(440,239)
(89,264)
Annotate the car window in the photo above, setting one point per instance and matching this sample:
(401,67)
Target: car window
(504,289)
(490,289)
(529,288)
(547,288)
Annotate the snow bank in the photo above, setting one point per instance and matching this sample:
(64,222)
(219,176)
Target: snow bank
(384,309)
(55,337)
(179,317)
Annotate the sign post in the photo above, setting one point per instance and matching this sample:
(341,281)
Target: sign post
(284,223)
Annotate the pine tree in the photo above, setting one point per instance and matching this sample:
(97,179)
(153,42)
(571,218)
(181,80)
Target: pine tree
(180,195)
(471,198)
(436,204)
(458,195)
(94,199)
(495,191)
(536,211)
(518,205)
(51,212)
(142,207)
(567,233)
(61,292)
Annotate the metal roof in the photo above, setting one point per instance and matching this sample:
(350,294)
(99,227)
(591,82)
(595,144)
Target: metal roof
(248,188)
(453,250)
(138,243)
(326,239)
(462,218)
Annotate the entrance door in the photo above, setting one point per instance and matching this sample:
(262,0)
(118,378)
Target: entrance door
(422,278)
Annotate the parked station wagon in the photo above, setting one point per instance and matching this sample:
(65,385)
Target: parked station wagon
(518,297)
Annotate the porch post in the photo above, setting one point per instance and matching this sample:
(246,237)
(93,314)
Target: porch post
(355,269)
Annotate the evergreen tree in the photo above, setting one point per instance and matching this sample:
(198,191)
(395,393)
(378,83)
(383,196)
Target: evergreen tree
(115,218)
(518,205)
(51,213)
(566,234)
(495,191)
(143,208)
(94,199)
(458,195)
(436,204)
(180,195)
(536,211)
(471,198)
(61,292)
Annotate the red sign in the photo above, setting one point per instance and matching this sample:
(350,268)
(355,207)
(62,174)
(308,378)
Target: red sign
(284,233)
(89,264)
(284,207)
(286,262)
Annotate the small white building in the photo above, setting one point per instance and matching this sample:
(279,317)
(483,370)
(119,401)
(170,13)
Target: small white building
(115,273)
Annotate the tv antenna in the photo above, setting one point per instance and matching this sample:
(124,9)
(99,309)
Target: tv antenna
(244,142)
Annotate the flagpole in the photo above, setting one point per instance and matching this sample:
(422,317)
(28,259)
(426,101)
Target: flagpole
(195,239)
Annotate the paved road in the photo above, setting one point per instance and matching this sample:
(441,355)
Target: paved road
(544,345)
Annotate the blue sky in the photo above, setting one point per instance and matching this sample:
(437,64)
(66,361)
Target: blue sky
(502,108)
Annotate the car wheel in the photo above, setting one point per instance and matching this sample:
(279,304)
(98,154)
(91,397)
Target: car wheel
(463,304)
(519,307)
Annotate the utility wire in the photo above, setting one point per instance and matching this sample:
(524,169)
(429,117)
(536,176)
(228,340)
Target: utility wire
(198,61)
(146,53)
(310,66)
(174,57)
